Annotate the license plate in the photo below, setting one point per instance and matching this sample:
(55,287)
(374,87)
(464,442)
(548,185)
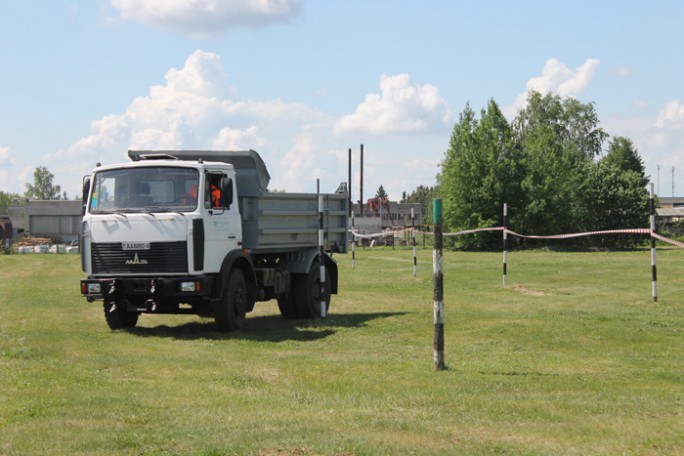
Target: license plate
(135,246)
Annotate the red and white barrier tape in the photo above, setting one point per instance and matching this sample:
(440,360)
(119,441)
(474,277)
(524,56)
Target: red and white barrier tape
(669,241)
(531,236)
(355,233)
(586,233)
(476,230)
(365,236)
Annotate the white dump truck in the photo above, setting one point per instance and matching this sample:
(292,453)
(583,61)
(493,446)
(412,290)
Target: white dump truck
(198,232)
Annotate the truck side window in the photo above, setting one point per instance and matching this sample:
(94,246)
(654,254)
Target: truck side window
(213,191)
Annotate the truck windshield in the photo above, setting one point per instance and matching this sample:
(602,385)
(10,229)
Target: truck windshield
(145,189)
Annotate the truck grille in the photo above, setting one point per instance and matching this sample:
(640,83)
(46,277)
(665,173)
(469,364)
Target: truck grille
(162,257)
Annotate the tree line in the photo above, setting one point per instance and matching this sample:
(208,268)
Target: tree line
(42,188)
(549,165)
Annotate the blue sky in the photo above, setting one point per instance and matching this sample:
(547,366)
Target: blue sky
(302,81)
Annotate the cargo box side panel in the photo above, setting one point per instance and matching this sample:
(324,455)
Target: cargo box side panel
(286,221)
(336,222)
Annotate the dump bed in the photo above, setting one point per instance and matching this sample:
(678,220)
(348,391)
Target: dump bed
(274,221)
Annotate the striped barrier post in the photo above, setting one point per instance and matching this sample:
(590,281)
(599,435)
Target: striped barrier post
(321,257)
(438,283)
(505,238)
(353,241)
(413,239)
(654,275)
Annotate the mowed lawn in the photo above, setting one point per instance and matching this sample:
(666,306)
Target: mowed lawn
(572,357)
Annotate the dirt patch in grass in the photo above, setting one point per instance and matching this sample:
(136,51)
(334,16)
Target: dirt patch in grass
(528,292)
(287,452)
(296,452)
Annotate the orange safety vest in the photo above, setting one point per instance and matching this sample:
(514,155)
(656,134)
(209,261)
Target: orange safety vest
(192,196)
(215,196)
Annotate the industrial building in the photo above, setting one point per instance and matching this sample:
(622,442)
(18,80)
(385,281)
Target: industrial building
(377,216)
(56,219)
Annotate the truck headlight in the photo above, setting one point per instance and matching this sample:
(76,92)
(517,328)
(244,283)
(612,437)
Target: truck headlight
(189,286)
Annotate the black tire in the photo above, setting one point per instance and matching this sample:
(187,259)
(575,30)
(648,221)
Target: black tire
(307,293)
(117,315)
(287,303)
(231,309)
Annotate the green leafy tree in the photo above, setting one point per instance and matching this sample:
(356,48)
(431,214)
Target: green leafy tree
(6,201)
(611,198)
(482,169)
(42,187)
(572,124)
(424,196)
(381,193)
(544,165)
(558,136)
(623,155)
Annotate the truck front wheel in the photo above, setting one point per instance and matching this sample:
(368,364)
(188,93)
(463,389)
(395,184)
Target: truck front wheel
(231,309)
(307,293)
(117,315)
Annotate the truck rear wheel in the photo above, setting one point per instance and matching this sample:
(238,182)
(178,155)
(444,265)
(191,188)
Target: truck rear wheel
(287,304)
(231,309)
(307,293)
(117,315)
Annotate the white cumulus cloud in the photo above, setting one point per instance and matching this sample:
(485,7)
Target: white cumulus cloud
(195,109)
(13,172)
(672,116)
(623,71)
(233,139)
(202,18)
(4,165)
(4,155)
(557,78)
(657,135)
(399,108)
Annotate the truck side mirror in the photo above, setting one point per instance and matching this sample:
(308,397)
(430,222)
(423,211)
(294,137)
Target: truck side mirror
(227,191)
(86,191)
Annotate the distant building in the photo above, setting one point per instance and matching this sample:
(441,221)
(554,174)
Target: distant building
(671,202)
(58,219)
(382,215)
(670,213)
(6,231)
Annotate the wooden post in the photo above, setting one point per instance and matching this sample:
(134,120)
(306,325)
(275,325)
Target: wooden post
(321,254)
(438,283)
(654,275)
(505,239)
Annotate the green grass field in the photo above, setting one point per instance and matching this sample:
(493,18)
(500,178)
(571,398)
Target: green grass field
(573,357)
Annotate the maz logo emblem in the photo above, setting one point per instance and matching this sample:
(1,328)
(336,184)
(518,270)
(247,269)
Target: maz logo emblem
(136,260)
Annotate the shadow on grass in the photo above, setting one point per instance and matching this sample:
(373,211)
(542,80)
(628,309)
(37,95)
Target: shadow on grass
(270,328)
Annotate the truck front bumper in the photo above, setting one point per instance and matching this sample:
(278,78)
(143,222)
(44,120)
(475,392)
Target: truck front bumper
(179,289)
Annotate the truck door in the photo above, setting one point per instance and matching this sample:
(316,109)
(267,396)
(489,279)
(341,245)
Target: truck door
(222,227)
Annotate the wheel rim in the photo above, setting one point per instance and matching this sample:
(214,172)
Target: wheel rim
(240,301)
(316,291)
